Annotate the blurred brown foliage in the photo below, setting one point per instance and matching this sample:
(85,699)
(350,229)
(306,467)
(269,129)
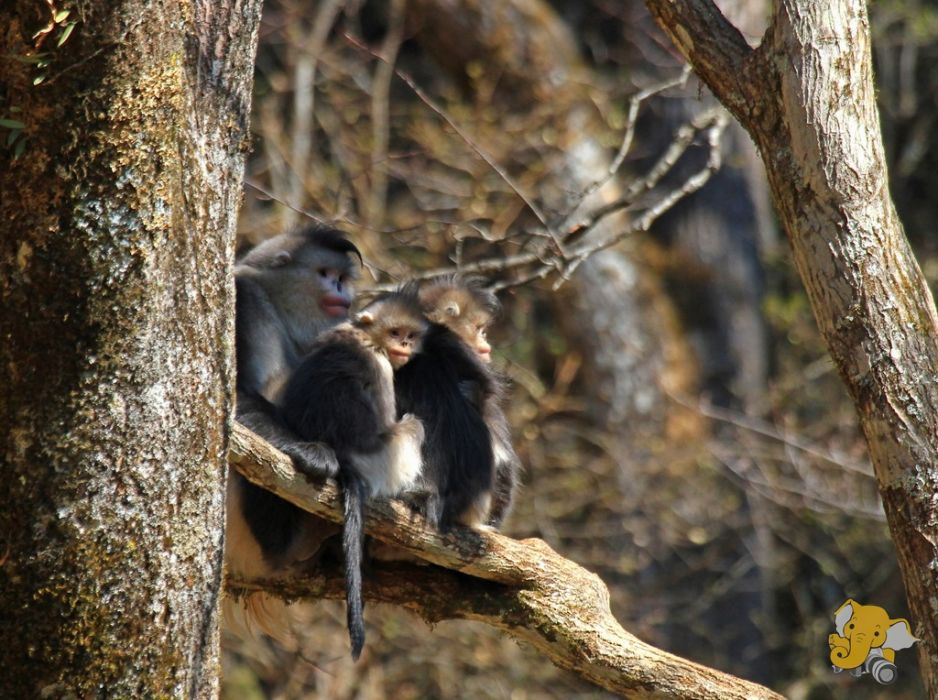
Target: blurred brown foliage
(728,528)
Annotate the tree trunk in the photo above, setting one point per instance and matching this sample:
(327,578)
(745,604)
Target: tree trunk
(806,96)
(116,358)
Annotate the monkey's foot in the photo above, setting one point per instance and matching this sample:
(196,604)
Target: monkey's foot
(313,459)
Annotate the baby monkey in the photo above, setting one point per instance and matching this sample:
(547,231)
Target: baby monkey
(470,466)
(342,394)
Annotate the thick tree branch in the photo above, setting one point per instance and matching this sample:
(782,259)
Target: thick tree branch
(521,587)
(714,47)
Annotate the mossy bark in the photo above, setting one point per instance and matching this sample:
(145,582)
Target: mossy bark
(806,96)
(116,358)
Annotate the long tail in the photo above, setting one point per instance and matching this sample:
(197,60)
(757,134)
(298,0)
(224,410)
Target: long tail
(353,489)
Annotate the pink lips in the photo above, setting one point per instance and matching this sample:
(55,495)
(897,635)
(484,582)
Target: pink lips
(334,306)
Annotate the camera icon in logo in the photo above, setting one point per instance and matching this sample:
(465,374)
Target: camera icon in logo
(866,641)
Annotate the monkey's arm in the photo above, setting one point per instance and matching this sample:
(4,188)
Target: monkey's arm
(507,467)
(260,416)
(503,494)
(263,358)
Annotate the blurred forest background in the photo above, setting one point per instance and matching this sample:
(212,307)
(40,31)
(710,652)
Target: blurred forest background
(684,433)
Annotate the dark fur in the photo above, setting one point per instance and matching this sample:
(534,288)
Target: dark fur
(343,396)
(446,386)
(329,399)
(470,466)
(267,345)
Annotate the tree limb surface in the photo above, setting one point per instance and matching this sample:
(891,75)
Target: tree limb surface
(807,98)
(521,587)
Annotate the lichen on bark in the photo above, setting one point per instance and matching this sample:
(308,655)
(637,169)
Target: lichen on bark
(116,316)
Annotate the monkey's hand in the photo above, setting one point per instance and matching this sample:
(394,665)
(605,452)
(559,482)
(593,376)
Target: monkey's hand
(312,458)
(404,455)
(411,426)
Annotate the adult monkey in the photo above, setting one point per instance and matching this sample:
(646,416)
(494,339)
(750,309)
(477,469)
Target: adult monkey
(289,289)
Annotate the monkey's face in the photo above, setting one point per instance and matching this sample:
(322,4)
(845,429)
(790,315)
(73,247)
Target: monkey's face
(472,331)
(336,292)
(481,343)
(456,309)
(400,343)
(395,328)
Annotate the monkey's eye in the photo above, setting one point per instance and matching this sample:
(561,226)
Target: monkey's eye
(395,333)
(323,272)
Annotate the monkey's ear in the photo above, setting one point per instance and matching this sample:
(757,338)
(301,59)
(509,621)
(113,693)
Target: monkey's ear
(365,318)
(281,258)
(452,309)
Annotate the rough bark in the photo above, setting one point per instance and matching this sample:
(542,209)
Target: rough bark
(806,96)
(521,587)
(116,353)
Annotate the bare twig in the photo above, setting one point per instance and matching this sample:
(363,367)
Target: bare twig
(544,257)
(678,147)
(631,119)
(715,122)
(794,494)
(308,50)
(481,152)
(254,185)
(380,122)
(712,122)
(764,429)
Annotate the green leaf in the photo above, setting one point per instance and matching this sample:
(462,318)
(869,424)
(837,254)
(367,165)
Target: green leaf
(29,59)
(12,136)
(12,123)
(66,34)
(39,78)
(19,148)
(61,16)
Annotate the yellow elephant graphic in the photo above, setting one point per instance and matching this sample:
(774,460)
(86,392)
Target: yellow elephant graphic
(866,641)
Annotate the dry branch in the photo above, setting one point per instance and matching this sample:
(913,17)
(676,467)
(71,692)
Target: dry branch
(521,587)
